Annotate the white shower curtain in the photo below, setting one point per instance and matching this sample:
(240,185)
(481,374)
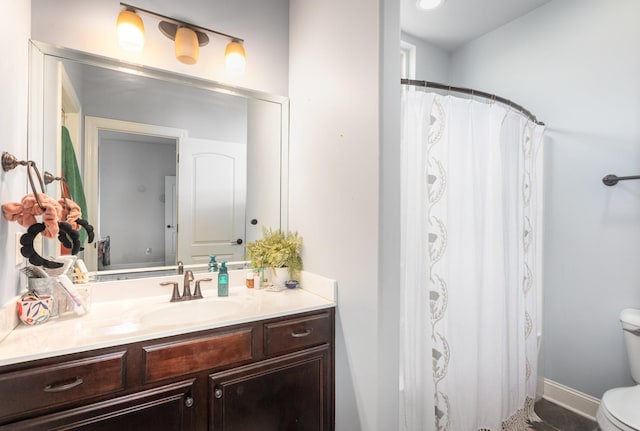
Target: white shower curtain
(471,191)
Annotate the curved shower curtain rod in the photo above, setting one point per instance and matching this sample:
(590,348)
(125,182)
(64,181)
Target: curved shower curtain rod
(472,92)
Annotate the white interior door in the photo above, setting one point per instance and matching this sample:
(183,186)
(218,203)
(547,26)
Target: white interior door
(212,183)
(170,220)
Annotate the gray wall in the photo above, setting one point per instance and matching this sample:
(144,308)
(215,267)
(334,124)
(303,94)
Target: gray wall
(14,34)
(132,194)
(345,110)
(432,63)
(576,64)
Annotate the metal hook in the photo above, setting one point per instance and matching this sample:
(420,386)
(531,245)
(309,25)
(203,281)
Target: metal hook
(49,178)
(9,162)
(32,166)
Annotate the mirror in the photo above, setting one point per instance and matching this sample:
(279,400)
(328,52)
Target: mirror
(174,168)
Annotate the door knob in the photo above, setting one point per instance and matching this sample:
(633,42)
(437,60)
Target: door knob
(239,241)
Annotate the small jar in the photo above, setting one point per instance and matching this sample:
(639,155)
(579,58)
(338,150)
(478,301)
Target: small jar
(250,280)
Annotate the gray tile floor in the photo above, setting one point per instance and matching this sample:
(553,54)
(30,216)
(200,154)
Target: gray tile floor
(556,418)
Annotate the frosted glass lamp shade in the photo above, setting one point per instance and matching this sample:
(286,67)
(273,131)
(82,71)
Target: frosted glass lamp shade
(429,4)
(130,31)
(235,58)
(186,45)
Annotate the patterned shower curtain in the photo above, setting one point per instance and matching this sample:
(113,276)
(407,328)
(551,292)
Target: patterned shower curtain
(471,229)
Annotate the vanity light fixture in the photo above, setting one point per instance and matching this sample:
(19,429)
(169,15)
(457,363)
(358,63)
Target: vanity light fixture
(130,30)
(235,57)
(429,4)
(188,38)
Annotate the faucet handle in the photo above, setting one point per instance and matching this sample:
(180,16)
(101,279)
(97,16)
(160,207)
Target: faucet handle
(175,296)
(198,293)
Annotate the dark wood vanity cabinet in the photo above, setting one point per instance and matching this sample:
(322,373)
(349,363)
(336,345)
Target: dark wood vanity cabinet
(275,374)
(284,394)
(163,408)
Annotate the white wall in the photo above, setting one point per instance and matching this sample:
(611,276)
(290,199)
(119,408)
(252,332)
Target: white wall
(432,63)
(338,178)
(89,25)
(576,64)
(14,34)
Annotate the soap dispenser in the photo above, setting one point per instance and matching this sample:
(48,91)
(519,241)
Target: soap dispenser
(213,265)
(223,280)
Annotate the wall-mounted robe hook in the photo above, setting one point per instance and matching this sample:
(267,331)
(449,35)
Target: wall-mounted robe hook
(612,180)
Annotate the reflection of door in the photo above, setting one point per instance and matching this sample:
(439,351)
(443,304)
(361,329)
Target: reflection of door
(170,219)
(211,200)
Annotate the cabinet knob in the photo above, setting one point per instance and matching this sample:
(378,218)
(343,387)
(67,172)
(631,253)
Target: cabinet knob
(217,393)
(188,401)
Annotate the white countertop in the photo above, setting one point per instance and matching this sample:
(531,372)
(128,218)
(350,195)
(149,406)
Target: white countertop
(124,312)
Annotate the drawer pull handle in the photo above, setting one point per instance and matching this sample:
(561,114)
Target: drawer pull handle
(64,385)
(301,334)
(217,393)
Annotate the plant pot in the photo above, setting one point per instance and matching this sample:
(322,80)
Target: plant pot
(276,276)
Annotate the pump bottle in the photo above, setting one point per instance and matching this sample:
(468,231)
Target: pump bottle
(223,280)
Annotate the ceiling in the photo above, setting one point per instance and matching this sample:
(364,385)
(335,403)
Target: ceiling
(457,22)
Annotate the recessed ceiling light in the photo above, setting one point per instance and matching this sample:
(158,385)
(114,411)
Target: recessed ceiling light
(429,4)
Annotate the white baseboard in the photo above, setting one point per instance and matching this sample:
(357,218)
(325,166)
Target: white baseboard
(576,401)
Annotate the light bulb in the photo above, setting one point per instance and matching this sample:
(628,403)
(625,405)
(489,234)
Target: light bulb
(235,58)
(130,31)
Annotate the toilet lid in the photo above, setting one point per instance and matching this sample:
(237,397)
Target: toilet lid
(622,404)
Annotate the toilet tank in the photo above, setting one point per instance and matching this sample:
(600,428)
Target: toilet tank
(630,319)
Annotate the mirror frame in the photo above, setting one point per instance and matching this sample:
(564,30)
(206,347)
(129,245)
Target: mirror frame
(37,139)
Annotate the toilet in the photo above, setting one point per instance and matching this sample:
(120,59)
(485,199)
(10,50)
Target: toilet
(620,407)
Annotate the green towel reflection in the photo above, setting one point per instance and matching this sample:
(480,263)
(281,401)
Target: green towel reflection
(72,176)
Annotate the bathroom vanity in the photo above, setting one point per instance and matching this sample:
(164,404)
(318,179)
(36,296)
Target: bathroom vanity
(268,366)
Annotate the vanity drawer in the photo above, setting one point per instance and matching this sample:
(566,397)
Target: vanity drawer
(54,385)
(295,334)
(163,361)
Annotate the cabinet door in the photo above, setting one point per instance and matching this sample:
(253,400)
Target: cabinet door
(168,408)
(288,393)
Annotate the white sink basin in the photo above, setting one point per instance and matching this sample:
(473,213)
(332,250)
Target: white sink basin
(193,312)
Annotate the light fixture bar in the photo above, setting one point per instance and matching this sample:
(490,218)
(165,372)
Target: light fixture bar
(178,22)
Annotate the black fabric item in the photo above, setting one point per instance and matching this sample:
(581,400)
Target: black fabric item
(30,253)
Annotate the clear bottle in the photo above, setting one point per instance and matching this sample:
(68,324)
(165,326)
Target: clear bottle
(223,280)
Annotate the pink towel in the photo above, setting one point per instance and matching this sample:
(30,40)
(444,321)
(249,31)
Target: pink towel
(25,212)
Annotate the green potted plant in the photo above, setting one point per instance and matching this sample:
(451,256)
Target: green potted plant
(275,250)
